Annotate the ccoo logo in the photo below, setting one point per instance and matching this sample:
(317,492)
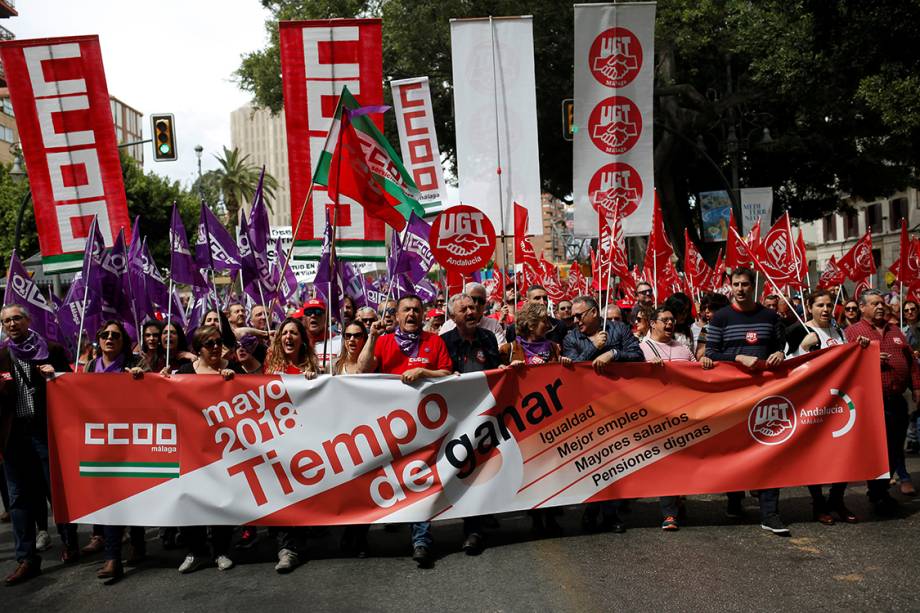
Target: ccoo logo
(615,57)
(615,125)
(615,187)
(772,420)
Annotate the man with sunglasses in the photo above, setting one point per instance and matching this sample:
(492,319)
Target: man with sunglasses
(366,315)
(327,347)
(594,341)
(645,298)
(558,330)
(387,312)
(477,293)
(564,311)
(26,361)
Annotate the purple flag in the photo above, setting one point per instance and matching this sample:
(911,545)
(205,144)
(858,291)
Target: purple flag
(426,290)
(93,253)
(260,232)
(70,312)
(182,267)
(353,282)
(117,297)
(328,282)
(22,290)
(250,278)
(415,257)
(178,313)
(214,247)
(284,279)
(156,285)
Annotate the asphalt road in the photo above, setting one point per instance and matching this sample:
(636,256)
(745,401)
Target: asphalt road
(711,564)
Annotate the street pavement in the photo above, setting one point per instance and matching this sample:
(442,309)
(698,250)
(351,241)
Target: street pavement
(712,563)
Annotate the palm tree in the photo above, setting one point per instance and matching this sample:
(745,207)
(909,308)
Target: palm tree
(238,180)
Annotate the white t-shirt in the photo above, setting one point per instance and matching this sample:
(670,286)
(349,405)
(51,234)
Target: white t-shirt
(333,349)
(827,337)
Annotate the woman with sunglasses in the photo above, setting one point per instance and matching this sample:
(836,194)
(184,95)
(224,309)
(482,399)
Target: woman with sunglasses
(353,340)
(851,313)
(208,346)
(115,356)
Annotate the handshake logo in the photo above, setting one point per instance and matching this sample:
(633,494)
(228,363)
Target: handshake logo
(615,125)
(615,57)
(772,421)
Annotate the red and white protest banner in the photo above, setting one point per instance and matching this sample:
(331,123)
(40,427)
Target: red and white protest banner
(495,110)
(462,239)
(614,71)
(58,90)
(318,59)
(418,140)
(284,450)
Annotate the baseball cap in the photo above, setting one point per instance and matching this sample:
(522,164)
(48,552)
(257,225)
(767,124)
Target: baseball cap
(314,303)
(432,313)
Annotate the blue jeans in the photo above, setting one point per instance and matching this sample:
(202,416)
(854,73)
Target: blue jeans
(421,533)
(769,501)
(24,450)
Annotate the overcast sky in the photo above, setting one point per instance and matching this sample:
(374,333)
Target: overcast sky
(195,61)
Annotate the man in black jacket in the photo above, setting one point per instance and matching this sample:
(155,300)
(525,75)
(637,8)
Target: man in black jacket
(600,343)
(558,328)
(471,349)
(25,362)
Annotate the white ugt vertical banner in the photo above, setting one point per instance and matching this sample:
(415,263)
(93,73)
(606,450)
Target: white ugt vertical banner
(756,203)
(419,141)
(495,103)
(613,150)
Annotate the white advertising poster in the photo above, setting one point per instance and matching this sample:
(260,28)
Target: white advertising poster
(495,107)
(613,148)
(756,203)
(418,140)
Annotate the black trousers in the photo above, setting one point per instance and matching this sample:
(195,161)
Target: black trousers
(895,431)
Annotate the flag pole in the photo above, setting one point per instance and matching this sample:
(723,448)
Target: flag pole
(498,157)
(780,294)
(169,318)
(82,317)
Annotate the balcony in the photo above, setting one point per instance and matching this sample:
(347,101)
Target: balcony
(6,34)
(8,9)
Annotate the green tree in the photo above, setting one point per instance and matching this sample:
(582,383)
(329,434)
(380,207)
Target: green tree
(151,197)
(13,191)
(238,180)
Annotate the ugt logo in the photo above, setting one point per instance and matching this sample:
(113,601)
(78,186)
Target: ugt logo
(615,57)
(772,421)
(615,125)
(462,233)
(616,187)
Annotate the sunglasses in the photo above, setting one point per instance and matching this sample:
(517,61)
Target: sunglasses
(582,314)
(646,292)
(350,335)
(850,309)
(313,312)
(110,335)
(390,311)
(368,321)
(211,343)
(13,319)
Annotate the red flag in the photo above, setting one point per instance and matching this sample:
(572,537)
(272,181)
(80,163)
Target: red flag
(832,275)
(520,232)
(498,289)
(801,258)
(658,255)
(858,263)
(907,267)
(715,279)
(695,267)
(350,175)
(775,256)
(740,252)
(861,286)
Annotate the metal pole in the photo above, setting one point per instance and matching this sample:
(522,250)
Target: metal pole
(498,155)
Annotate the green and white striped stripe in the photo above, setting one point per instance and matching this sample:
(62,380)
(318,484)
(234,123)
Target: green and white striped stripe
(150,470)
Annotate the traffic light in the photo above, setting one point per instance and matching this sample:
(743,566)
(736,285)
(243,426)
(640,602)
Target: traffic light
(568,119)
(164,137)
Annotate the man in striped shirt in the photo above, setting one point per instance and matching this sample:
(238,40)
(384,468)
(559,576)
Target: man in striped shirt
(754,336)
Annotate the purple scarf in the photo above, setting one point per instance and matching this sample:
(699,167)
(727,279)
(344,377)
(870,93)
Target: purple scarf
(408,341)
(117,366)
(536,352)
(32,347)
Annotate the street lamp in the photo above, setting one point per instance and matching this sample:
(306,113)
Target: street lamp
(198,151)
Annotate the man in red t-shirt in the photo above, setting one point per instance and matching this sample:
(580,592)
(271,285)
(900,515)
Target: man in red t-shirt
(413,354)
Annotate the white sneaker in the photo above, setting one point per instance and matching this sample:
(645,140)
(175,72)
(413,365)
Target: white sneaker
(191,564)
(223,563)
(287,561)
(43,540)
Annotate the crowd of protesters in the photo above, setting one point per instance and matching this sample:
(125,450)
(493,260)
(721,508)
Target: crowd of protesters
(417,341)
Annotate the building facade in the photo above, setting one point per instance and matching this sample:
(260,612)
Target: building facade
(129,127)
(262,136)
(835,233)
